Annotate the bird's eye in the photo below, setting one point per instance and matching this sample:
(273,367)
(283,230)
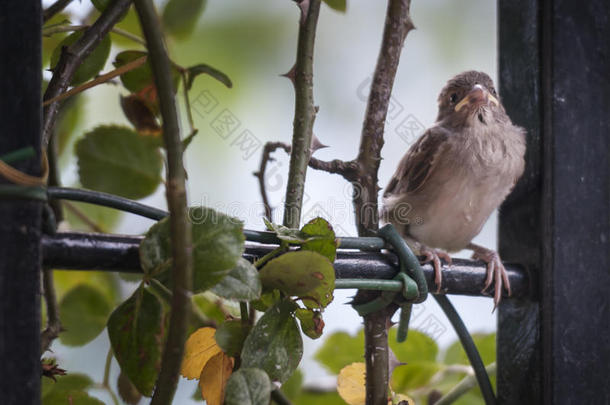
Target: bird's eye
(453,98)
(492,91)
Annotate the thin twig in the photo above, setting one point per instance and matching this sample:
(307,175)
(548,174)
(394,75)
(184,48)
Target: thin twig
(84,218)
(54,8)
(98,80)
(54,327)
(304,115)
(465,385)
(347,169)
(268,149)
(71,58)
(180,229)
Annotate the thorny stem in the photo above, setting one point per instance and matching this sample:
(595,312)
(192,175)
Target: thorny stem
(176,199)
(304,115)
(397,25)
(72,57)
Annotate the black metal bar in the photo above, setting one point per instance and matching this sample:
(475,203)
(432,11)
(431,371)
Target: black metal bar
(554,64)
(20,220)
(82,251)
(519,373)
(576,203)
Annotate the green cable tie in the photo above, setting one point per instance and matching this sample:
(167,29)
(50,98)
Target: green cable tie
(19,154)
(8,191)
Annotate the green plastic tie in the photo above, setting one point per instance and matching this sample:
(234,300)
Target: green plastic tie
(414,287)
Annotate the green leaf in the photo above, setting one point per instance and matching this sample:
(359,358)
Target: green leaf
(210,309)
(107,283)
(294,236)
(248,386)
(92,64)
(275,343)
(266,301)
(83,313)
(218,243)
(326,398)
(326,244)
(302,274)
(230,336)
(485,343)
(339,5)
(194,71)
(137,79)
(418,347)
(419,352)
(137,330)
(69,388)
(311,322)
(69,382)
(413,375)
(241,284)
(70,397)
(293,387)
(180,16)
(339,350)
(117,160)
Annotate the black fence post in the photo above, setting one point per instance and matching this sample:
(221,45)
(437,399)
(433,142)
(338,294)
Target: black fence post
(554,80)
(20,259)
(519,377)
(576,202)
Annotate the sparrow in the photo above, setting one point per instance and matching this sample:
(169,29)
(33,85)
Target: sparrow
(453,177)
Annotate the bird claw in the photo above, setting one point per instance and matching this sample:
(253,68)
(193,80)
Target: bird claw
(435,256)
(496,273)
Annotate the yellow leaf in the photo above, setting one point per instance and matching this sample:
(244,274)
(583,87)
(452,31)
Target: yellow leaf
(351,384)
(214,378)
(200,348)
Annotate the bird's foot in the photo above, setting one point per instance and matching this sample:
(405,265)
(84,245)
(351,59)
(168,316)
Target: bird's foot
(435,256)
(496,272)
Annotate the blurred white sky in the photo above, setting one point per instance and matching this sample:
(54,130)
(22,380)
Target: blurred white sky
(450,37)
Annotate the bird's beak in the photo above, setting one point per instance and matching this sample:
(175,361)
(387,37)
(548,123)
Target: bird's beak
(477,96)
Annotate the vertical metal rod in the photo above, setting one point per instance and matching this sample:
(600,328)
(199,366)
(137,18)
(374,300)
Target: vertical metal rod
(20,259)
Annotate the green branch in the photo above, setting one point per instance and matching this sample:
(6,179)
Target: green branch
(304,115)
(176,199)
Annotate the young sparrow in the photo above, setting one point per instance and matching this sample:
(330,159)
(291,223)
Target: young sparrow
(456,174)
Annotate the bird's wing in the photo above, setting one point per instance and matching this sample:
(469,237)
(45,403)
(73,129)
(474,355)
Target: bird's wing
(418,163)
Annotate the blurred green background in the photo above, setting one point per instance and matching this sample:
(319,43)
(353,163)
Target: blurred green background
(254,43)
